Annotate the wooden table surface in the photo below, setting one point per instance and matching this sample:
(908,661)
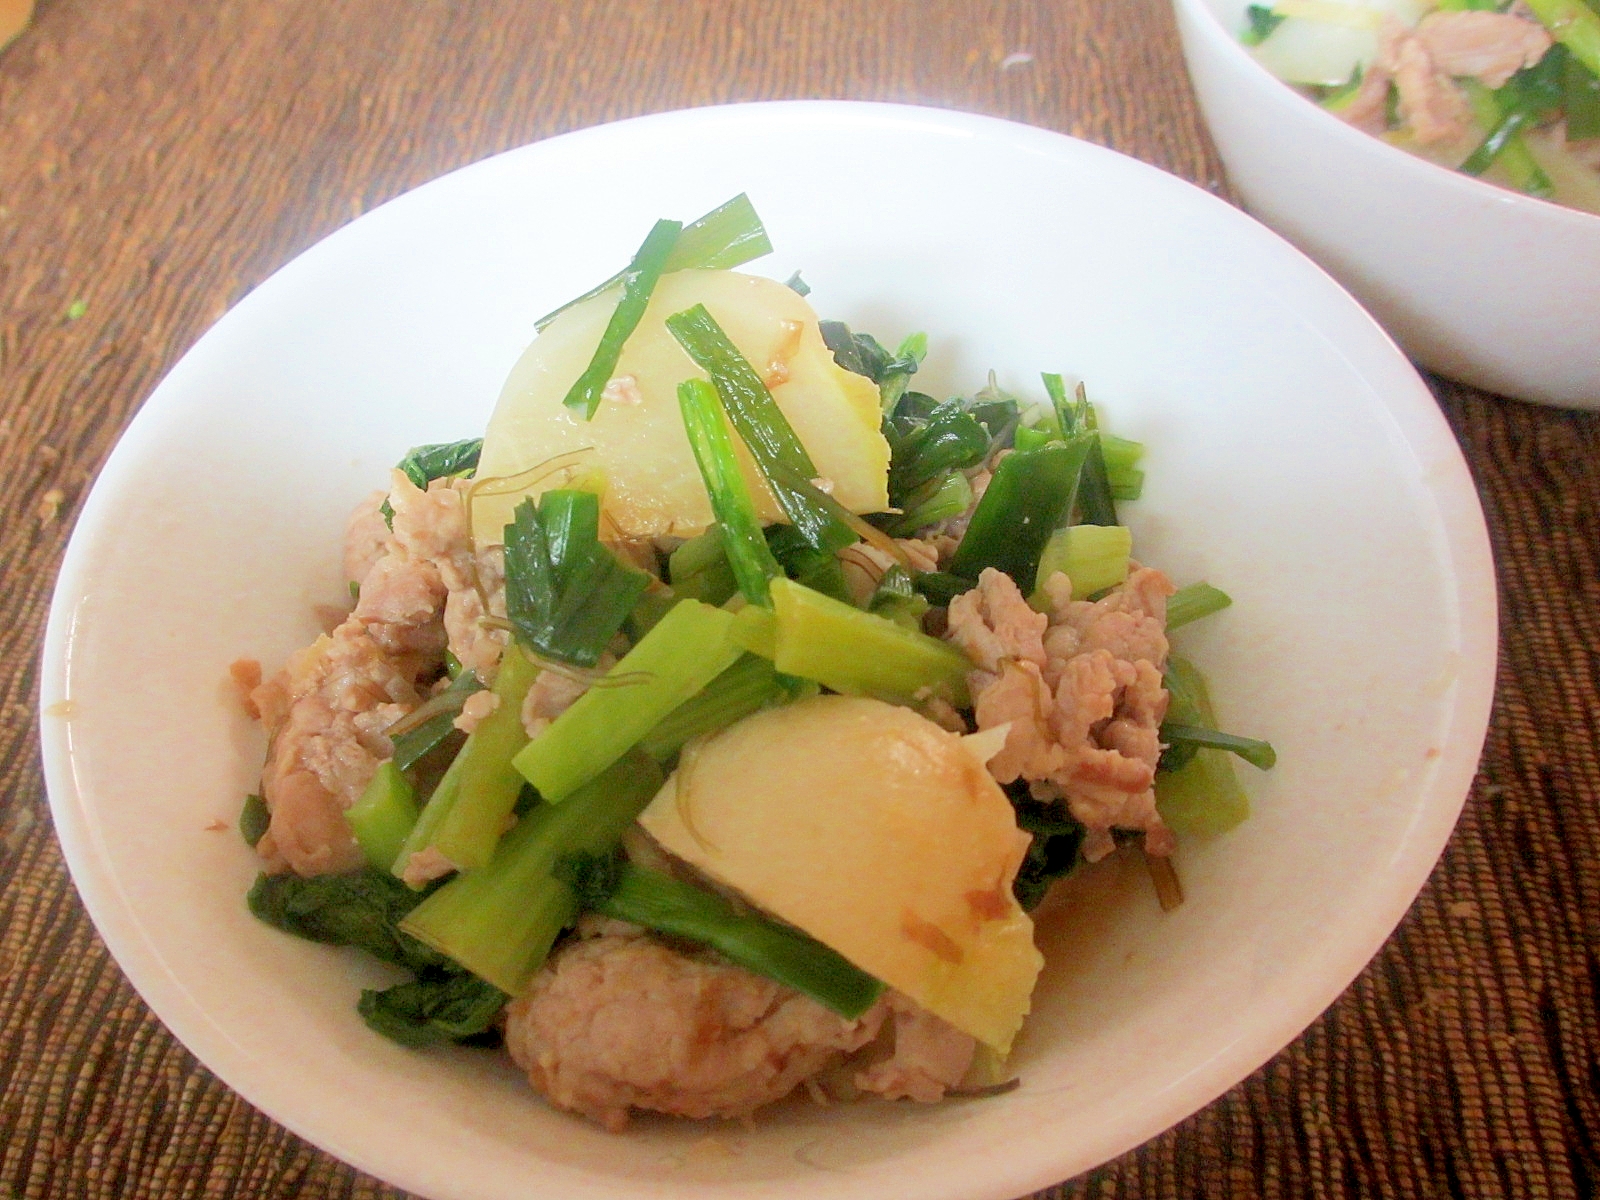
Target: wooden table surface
(160,158)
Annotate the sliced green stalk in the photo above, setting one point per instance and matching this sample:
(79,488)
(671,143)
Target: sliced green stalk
(488,785)
(659,902)
(819,569)
(566,594)
(937,500)
(382,818)
(755,629)
(1254,751)
(859,653)
(1122,457)
(748,686)
(728,236)
(1193,601)
(743,541)
(1030,496)
(1095,501)
(638,282)
(754,414)
(1503,144)
(432,816)
(687,649)
(699,569)
(1203,796)
(500,922)
(1093,557)
(1574,25)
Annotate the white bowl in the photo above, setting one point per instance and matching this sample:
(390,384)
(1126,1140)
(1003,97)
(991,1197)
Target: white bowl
(1485,285)
(1295,458)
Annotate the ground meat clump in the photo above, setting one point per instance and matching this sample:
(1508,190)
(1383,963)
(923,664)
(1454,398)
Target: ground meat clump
(1080,688)
(620,1022)
(326,713)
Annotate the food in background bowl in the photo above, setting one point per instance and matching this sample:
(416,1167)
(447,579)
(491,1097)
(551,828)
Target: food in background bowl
(1475,280)
(1506,91)
(707,763)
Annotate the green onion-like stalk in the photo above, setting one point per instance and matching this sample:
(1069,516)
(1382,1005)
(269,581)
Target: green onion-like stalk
(727,236)
(687,649)
(742,539)
(468,810)
(383,816)
(839,646)
(638,282)
(779,952)
(779,454)
(500,922)
(1193,601)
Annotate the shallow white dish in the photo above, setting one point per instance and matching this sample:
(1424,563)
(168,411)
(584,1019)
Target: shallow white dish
(1479,283)
(1294,458)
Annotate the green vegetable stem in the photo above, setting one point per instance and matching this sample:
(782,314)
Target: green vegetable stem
(687,649)
(499,922)
(638,282)
(657,901)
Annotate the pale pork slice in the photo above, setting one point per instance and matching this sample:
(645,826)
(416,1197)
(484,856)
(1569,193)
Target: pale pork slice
(620,1022)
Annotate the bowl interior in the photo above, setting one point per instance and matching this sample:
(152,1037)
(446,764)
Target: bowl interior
(1294,459)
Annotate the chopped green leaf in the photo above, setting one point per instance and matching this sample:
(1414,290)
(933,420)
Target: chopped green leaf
(742,538)
(439,1008)
(566,594)
(728,236)
(638,283)
(1260,22)
(362,909)
(254,819)
(779,454)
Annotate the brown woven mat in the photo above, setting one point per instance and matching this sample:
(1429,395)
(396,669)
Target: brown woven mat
(160,157)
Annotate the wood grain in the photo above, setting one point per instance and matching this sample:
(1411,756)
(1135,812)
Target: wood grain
(162,157)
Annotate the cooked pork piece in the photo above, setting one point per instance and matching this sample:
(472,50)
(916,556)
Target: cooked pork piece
(620,1022)
(1080,688)
(327,711)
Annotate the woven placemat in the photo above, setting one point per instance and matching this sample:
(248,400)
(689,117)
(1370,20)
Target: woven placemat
(162,156)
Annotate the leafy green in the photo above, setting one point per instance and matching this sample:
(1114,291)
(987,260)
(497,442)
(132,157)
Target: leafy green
(423,464)
(1260,22)
(897,598)
(443,1006)
(254,819)
(657,901)
(863,354)
(924,446)
(566,594)
(1052,853)
(728,236)
(638,283)
(362,909)
(779,454)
